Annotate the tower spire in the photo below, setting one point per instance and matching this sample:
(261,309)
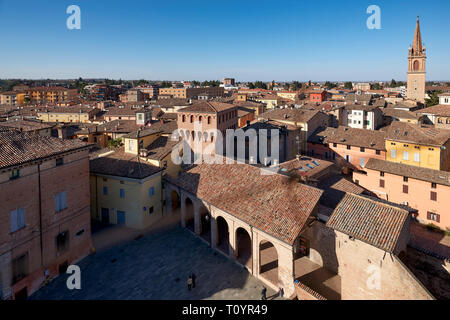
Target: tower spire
(417,48)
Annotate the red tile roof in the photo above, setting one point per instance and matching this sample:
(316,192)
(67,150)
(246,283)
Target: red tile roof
(412,133)
(122,164)
(440,110)
(207,106)
(370,221)
(21,147)
(275,204)
(413,172)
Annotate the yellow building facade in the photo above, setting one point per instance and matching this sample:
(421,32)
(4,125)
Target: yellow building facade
(135,203)
(425,156)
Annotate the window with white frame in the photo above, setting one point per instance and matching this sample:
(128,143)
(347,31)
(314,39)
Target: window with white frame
(393,154)
(416,157)
(405,155)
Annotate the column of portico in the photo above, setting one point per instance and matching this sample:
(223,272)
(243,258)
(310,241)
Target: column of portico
(255,254)
(232,251)
(183,210)
(197,218)
(286,272)
(214,233)
(168,192)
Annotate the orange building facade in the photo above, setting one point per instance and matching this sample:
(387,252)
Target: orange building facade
(423,189)
(45,215)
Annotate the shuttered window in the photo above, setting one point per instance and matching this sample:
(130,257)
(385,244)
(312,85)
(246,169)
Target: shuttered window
(433,216)
(433,196)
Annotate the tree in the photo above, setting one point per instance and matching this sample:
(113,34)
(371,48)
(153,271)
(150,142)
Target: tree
(115,143)
(375,86)
(141,82)
(434,99)
(448,84)
(309,83)
(272,85)
(296,85)
(286,86)
(165,84)
(250,85)
(260,85)
(348,85)
(393,84)
(210,83)
(330,85)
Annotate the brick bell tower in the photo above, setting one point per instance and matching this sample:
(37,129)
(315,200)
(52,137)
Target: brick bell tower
(416,68)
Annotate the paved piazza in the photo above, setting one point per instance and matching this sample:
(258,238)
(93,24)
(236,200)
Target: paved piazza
(157,266)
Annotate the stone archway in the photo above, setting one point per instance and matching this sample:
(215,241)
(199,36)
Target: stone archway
(223,236)
(205,223)
(244,248)
(176,201)
(189,214)
(268,261)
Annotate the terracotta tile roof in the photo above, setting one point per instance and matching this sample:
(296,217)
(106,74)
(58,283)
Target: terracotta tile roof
(412,133)
(169,116)
(371,139)
(122,164)
(289,114)
(419,173)
(21,147)
(358,97)
(361,107)
(400,114)
(122,111)
(370,221)
(242,111)
(70,109)
(274,204)
(26,125)
(157,127)
(172,102)
(207,106)
(440,110)
(160,148)
(304,166)
(335,188)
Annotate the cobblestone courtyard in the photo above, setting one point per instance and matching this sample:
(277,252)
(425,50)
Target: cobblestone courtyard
(157,267)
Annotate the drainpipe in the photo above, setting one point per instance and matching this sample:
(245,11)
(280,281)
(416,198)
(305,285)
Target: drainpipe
(40,214)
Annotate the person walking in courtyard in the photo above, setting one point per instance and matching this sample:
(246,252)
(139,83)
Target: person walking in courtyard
(189,283)
(263,294)
(193,279)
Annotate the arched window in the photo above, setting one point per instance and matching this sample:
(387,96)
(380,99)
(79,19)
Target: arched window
(209,120)
(416,65)
(447,121)
(199,136)
(192,118)
(440,120)
(183,118)
(200,119)
(193,134)
(205,136)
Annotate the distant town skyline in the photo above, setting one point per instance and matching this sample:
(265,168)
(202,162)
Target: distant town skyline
(326,41)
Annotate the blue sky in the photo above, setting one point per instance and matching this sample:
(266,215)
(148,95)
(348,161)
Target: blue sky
(197,39)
